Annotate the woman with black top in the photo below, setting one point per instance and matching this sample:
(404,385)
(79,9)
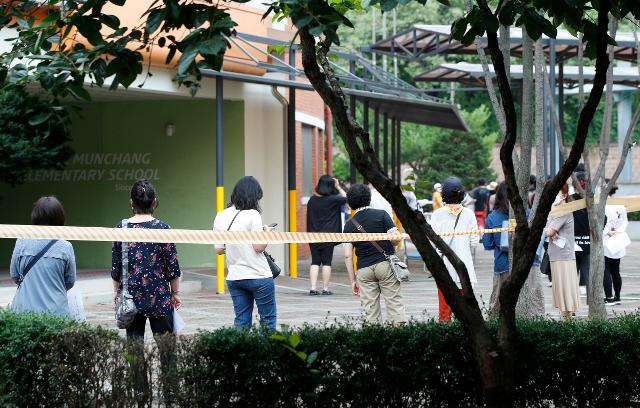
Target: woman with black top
(375,276)
(323,215)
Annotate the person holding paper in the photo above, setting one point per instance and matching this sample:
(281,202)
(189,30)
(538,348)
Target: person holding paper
(560,231)
(615,242)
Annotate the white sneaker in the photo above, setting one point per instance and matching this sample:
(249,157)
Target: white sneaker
(583,290)
(550,284)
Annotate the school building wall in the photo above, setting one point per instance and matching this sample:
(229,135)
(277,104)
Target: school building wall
(117,142)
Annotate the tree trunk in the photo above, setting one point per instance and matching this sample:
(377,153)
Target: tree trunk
(595,293)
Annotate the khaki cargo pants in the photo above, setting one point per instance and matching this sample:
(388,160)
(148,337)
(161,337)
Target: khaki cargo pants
(373,281)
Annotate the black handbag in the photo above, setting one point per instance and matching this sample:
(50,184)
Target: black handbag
(275,269)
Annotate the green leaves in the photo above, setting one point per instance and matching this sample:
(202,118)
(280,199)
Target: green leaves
(474,24)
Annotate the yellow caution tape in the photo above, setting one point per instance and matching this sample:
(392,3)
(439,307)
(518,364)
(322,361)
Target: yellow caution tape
(631,203)
(207,237)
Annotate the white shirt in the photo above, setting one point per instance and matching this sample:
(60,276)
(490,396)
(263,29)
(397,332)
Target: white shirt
(378,202)
(443,221)
(616,219)
(243,262)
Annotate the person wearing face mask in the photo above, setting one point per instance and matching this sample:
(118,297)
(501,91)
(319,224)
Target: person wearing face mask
(562,258)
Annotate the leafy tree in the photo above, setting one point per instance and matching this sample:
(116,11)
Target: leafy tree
(464,155)
(33,135)
(206,23)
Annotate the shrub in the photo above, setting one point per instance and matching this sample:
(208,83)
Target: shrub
(47,361)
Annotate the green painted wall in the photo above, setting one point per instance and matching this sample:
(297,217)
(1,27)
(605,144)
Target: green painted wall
(118,142)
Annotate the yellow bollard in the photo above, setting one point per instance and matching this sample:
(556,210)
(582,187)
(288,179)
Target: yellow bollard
(220,258)
(293,248)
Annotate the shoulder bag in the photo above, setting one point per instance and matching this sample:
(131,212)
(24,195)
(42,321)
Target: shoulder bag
(275,269)
(399,268)
(126,309)
(35,260)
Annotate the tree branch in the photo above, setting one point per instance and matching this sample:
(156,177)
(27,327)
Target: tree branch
(605,132)
(326,84)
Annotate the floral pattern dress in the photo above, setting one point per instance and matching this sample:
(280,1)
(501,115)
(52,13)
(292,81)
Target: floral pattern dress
(151,267)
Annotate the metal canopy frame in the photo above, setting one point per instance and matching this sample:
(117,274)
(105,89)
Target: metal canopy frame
(420,41)
(362,79)
(473,74)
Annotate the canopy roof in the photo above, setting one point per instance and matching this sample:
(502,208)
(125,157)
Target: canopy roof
(473,74)
(364,81)
(420,41)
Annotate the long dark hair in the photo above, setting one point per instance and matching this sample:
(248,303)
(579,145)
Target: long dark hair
(326,186)
(247,194)
(502,198)
(143,197)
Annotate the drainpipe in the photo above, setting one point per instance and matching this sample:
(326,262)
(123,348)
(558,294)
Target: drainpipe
(285,126)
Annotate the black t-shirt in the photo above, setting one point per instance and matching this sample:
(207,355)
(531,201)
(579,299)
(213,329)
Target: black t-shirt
(373,221)
(581,227)
(323,213)
(481,195)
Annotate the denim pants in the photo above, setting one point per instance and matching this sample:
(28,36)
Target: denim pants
(244,292)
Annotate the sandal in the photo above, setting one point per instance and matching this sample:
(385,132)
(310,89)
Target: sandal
(313,293)
(327,292)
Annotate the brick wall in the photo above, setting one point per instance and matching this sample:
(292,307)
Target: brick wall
(310,103)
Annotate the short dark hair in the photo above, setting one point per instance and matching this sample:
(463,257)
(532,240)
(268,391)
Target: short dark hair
(47,211)
(144,199)
(453,197)
(326,186)
(246,194)
(532,179)
(482,181)
(358,196)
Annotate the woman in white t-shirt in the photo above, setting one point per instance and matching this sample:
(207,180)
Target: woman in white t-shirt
(614,249)
(249,278)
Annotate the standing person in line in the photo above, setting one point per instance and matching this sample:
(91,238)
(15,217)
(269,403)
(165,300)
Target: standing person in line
(410,195)
(480,200)
(44,270)
(249,277)
(153,280)
(153,274)
(437,196)
(563,260)
(616,224)
(450,218)
(375,276)
(583,238)
(490,242)
(531,299)
(323,215)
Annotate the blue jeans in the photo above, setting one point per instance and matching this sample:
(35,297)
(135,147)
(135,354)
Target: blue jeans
(244,292)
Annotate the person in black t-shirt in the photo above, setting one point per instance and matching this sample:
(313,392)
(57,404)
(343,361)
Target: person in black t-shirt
(375,276)
(323,215)
(583,239)
(480,198)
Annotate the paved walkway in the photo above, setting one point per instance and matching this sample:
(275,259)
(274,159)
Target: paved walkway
(203,309)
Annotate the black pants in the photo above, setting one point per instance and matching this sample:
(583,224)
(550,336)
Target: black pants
(166,349)
(159,325)
(612,275)
(582,264)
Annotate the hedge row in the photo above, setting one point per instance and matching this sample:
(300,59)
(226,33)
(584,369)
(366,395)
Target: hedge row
(45,361)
